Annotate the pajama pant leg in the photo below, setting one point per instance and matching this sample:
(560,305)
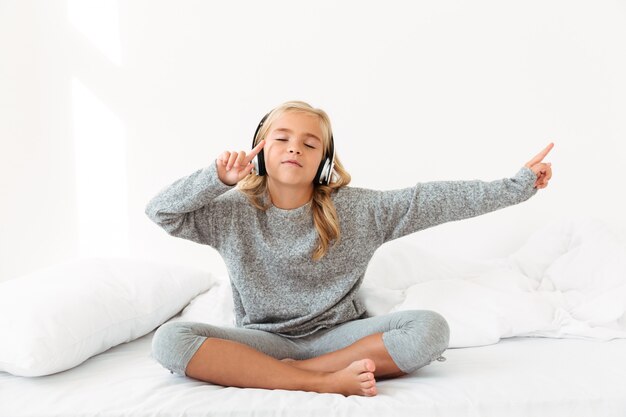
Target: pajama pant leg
(175,343)
(413,338)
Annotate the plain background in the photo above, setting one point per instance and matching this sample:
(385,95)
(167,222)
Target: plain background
(104,103)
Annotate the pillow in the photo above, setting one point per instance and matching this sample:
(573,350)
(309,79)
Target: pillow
(56,318)
(482,310)
(214,306)
(398,264)
(584,259)
(561,238)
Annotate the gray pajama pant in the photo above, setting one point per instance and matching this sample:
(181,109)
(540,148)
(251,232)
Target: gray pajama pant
(413,338)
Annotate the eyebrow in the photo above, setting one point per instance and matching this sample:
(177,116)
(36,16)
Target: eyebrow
(283,129)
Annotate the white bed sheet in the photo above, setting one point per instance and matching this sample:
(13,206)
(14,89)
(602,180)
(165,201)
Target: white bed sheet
(516,377)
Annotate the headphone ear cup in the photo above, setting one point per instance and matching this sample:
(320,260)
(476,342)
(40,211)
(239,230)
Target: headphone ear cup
(320,170)
(324,172)
(260,163)
(259,160)
(329,176)
(325,169)
(255,164)
(324,175)
(328,172)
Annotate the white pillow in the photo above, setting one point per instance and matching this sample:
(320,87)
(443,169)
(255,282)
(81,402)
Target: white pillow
(481,310)
(584,259)
(214,306)
(398,264)
(56,318)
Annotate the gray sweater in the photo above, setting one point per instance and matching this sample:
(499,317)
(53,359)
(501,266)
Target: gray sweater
(277,287)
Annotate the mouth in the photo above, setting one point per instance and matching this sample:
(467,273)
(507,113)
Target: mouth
(296,163)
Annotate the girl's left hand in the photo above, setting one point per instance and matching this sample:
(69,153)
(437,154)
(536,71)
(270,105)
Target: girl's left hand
(542,170)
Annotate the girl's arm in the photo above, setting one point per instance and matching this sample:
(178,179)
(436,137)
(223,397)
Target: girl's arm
(189,209)
(405,211)
(185,208)
(401,212)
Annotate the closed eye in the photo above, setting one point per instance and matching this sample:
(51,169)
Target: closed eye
(282,140)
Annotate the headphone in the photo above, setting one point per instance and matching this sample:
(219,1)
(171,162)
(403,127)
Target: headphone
(324,171)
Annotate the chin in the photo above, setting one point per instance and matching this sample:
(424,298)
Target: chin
(291,181)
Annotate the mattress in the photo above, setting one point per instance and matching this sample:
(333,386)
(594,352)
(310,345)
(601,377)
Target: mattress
(519,376)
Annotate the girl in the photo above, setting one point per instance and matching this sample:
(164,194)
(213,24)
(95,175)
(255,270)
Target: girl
(296,241)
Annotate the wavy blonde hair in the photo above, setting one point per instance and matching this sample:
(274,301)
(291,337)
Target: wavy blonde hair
(324,214)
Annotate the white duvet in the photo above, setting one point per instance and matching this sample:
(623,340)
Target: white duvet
(567,280)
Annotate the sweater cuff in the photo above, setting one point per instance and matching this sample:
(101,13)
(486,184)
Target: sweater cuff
(214,179)
(527,176)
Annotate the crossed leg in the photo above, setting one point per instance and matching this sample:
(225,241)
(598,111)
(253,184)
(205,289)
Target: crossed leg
(230,363)
(398,343)
(345,359)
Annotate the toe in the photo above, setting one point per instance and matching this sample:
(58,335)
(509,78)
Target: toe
(366,376)
(366,365)
(361,366)
(370,365)
(367,384)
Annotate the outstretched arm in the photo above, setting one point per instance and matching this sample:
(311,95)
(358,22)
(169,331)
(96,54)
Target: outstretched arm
(401,212)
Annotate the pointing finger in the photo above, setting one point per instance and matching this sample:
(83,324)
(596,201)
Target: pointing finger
(539,157)
(255,151)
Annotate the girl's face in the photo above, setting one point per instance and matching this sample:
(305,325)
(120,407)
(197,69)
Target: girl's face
(293,136)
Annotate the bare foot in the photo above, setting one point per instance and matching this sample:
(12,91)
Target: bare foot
(355,379)
(288,360)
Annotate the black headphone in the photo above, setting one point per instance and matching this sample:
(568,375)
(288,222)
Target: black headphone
(324,171)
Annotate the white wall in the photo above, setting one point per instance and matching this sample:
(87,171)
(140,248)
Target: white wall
(103,103)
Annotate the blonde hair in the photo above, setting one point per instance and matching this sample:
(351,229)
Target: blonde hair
(324,214)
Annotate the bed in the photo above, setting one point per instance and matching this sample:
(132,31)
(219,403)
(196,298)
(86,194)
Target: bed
(548,337)
(516,377)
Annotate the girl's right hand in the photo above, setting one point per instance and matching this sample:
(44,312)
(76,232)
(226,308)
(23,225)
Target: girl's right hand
(232,167)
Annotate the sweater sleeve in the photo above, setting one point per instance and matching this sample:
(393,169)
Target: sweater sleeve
(186,208)
(401,212)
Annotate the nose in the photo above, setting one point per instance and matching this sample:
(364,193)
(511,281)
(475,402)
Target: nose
(294,148)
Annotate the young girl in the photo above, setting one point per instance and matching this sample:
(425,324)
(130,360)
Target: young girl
(296,241)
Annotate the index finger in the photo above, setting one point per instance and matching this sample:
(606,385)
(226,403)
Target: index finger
(255,151)
(540,155)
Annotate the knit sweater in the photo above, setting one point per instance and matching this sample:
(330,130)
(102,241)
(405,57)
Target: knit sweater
(277,286)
